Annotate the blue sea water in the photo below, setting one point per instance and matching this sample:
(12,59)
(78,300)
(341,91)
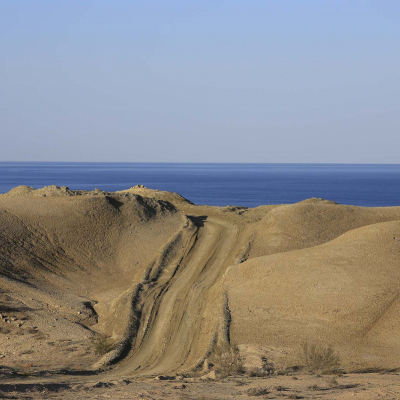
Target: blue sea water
(220,184)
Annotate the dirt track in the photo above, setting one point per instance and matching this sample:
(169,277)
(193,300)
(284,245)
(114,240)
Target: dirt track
(178,323)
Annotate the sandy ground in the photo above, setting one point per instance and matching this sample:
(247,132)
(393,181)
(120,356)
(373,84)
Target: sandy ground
(101,292)
(353,386)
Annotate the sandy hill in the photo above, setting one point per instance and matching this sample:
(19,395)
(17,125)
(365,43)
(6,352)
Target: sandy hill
(344,293)
(310,223)
(156,194)
(67,257)
(168,282)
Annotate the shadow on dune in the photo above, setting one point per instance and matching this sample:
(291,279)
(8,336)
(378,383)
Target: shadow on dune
(198,220)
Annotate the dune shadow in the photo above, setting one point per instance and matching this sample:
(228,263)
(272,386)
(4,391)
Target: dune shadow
(114,202)
(198,220)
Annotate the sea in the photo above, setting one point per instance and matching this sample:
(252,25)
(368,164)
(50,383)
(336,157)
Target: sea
(249,185)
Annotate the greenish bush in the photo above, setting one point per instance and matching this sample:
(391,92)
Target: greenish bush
(101,345)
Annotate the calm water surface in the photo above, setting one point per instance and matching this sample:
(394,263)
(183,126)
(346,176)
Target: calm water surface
(221,184)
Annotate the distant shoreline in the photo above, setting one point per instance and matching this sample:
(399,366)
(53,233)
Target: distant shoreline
(248,185)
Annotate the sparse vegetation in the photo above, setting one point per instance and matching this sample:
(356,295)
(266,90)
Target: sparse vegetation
(266,369)
(101,345)
(267,366)
(319,358)
(259,391)
(259,373)
(227,360)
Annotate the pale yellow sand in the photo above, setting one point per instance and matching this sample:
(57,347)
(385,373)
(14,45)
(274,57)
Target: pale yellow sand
(168,281)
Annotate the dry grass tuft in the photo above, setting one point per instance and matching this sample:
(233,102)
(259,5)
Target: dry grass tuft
(227,361)
(319,358)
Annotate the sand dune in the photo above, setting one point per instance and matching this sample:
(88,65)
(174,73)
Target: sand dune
(310,223)
(167,281)
(68,259)
(339,292)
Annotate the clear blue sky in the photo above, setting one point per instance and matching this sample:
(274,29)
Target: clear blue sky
(200,81)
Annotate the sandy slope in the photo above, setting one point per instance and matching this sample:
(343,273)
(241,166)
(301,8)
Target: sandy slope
(170,282)
(340,292)
(66,260)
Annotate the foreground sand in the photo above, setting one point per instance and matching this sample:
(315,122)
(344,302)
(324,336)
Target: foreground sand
(352,386)
(162,284)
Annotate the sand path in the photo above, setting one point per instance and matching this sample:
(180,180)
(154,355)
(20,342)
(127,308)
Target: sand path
(182,318)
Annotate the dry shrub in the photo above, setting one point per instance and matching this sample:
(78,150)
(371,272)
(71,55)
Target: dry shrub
(257,373)
(101,345)
(318,357)
(227,360)
(257,391)
(267,369)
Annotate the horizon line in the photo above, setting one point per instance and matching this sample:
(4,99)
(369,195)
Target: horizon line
(203,162)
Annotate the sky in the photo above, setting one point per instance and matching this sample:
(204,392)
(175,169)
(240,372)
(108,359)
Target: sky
(200,81)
